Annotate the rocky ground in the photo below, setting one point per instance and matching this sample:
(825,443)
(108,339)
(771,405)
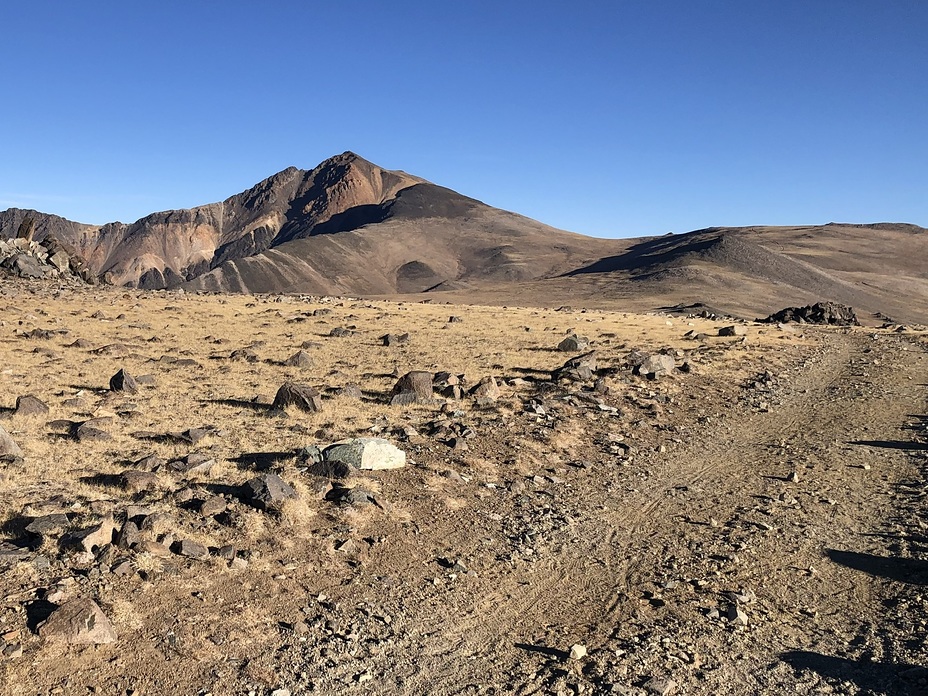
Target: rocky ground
(694,508)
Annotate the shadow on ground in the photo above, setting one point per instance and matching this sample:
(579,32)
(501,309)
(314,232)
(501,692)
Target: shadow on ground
(891,444)
(879,677)
(907,570)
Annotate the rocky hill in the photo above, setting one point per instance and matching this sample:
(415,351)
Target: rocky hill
(351,227)
(347,226)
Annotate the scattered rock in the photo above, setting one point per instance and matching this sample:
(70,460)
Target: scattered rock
(577,652)
(122,381)
(268,492)
(574,343)
(818,313)
(302,396)
(79,621)
(413,387)
(30,406)
(657,366)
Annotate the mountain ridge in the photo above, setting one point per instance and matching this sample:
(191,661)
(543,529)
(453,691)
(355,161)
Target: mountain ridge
(348,226)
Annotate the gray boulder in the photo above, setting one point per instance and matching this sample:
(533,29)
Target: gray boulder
(656,366)
(574,343)
(366,453)
(413,387)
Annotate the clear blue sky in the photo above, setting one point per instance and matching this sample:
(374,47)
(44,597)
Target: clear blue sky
(619,118)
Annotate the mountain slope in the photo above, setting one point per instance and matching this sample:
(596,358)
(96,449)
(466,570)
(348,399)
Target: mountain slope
(347,226)
(750,272)
(350,227)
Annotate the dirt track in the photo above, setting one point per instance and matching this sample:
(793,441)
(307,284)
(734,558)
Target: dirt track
(832,558)
(829,557)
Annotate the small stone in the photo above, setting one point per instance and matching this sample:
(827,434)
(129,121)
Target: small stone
(29,405)
(657,365)
(733,330)
(8,448)
(577,652)
(302,396)
(79,621)
(793,477)
(122,381)
(191,549)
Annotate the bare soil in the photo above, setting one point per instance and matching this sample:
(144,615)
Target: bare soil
(754,525)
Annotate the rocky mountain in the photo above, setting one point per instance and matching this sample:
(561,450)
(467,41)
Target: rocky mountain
(346,226)
(351,227)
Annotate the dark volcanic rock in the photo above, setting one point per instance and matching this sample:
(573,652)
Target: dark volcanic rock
(818,313)
(302,396)
(267,492)
(122,381)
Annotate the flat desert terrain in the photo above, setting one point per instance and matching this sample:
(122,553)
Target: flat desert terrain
(680,512)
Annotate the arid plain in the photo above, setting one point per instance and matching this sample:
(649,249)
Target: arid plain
(750,520)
